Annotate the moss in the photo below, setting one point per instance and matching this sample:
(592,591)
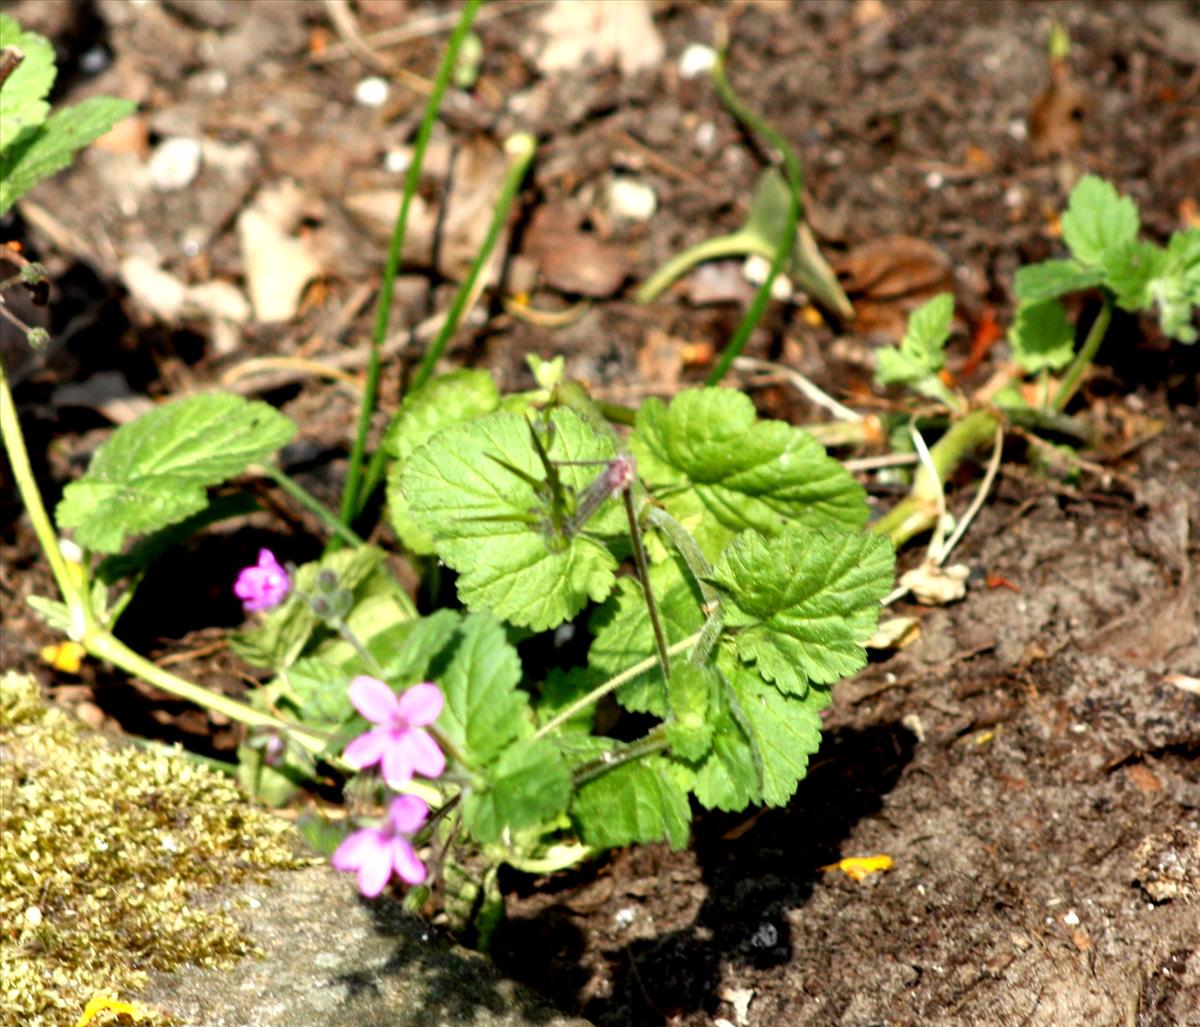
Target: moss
(105,852)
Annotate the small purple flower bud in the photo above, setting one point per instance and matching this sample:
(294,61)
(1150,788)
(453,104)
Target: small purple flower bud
(263,585)
(617,476)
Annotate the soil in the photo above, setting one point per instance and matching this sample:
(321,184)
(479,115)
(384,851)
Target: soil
(1031,764)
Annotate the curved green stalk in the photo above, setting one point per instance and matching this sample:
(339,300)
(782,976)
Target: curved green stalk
(918,511)
(736,244)
(310,502)
(1083,358)
(352,501)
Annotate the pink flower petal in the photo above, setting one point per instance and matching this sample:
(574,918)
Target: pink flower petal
(408,813)
(424,754)
(406,863)
(349,855)
(374,700)
(397,766)
(421,704)
(366,750)
(376,869)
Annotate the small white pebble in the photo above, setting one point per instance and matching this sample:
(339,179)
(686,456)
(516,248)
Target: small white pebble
(696,60)
(630,199)
(1071,919)
(934,180)
(706,135)
(371,92)
(33,916)
(174,163)
(1079,729)
(169,843)
(624,917)
(1018,129)
(397,161)
(755,270)
(1014,196)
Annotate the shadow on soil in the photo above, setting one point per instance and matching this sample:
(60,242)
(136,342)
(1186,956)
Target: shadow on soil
(755,870)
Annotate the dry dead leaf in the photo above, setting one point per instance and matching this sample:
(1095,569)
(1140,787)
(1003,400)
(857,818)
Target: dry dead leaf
(888,278)
(1056,115)
(278,265)
(621,33)
(570,259)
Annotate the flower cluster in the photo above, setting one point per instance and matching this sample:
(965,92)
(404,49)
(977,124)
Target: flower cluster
(401,746)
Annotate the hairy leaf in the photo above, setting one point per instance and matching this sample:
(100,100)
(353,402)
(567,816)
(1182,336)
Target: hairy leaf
(692,694)
(707,454)
(1041,336)
(155,471)
(453,398)
(528,786)
(471,487)
(484,710)
(802,604)
(1097,219)
(922,351)
(639,801)
(23,96)
(1036,283)
(624,637)
(39,152)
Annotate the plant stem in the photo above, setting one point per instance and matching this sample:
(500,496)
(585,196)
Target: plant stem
(701,571)
(1083,358)
(737,244)
(655,740)
(352,502)
(787,237)
(310,502)
(98,641)
(521,149)
(611,685)
(918,511)
(643,571)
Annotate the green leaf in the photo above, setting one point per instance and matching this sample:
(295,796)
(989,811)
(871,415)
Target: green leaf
(922,351)
(1177,290)
(484,709)
(471,486)
(1129,269)
(639,801)
(691,693)
(802,604)
(321,689)
(707,456)
(762,743)
(528,786)
(42,151)
(23,96)
(416,650)
(155,471)
(623,635)
(453,398)
(1050,279)
(1097,219)
(561,689)
(1041,336)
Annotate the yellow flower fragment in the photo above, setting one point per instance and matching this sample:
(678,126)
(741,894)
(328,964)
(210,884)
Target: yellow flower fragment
(857,868)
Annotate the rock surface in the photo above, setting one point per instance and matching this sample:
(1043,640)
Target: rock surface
(332,960)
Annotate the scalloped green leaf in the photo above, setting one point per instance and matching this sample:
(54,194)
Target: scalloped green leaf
(23,97)
(484,709)
(1041,336)
(490,523)
(922,351)
(623,635)
(156,470)
(639,801)
(691,693)
(801,604)
(1097,219)
(528,786)
(1036,283)
(707,456)
(454,398)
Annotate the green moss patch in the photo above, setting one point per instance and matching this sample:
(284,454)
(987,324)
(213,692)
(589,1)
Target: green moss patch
(105,852)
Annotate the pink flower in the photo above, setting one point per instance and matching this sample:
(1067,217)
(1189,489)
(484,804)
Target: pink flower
(374,852)
(264,585)
(399,742)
